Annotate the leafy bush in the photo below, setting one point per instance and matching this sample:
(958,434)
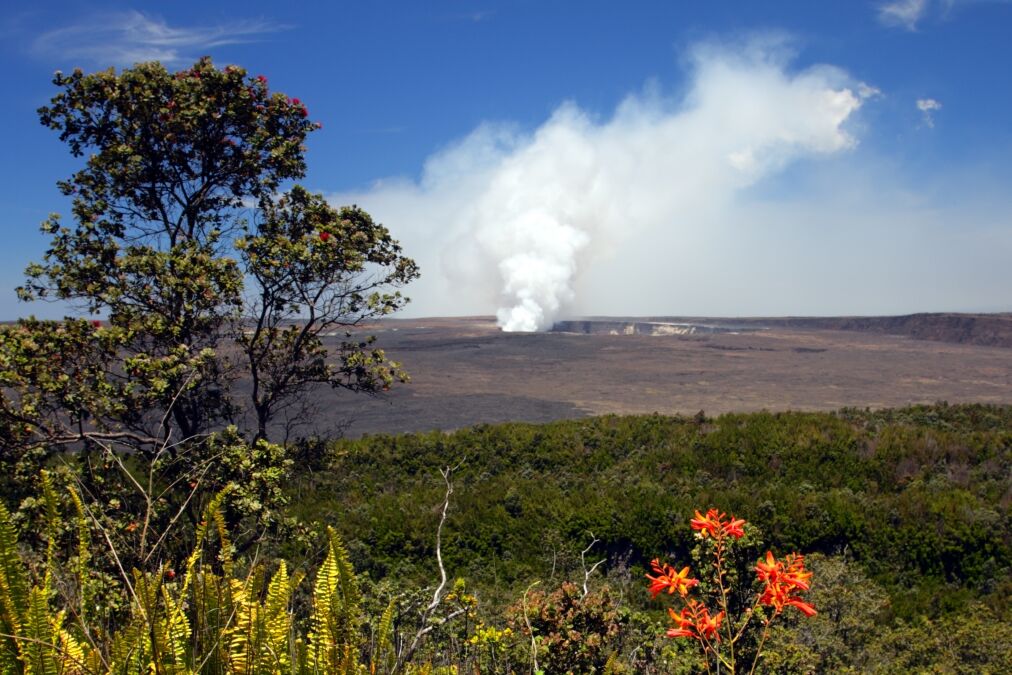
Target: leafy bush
(569,631)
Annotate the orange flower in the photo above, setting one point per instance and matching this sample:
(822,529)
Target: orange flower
(668,578)
(708,524)
(781,579)
(769,569)
(805,608)
(735,528)
(795,573)
(694,621)
(708,626)
(791,572)
(685,623)
(715,524)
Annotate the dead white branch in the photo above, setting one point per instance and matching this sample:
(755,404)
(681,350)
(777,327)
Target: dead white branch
(427,622)
(583,563)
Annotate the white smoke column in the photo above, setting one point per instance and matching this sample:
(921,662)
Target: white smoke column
(534,225)
(525,216)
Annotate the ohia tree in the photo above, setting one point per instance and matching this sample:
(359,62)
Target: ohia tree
(215,288)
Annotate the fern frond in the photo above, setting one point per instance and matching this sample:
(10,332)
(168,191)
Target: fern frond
(277,623)
(241,637)
(74,657)
(38,645)
(13,593)
(176,633)
(334,627)
(611,665)
(384,639)
(131,646)
(52,527)
(212,513)
(212,612)
(219,520)
(84,580)
(321,642)
(259,639)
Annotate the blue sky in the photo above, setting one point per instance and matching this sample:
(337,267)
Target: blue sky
(832,157)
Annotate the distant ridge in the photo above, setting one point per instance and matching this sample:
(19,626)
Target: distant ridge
(988,330)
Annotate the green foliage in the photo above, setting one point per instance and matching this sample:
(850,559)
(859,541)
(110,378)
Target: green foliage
(333,643)
(205,619)
(851,611)
(316,268)
(162,246)
(974,640)
(572,632)
(142,413)
(916,498)
(881,615)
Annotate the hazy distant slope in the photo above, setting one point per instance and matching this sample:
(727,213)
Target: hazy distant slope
(988,330)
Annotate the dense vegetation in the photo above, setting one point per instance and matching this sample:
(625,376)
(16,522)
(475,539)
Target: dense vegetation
(912,503)
(903,517)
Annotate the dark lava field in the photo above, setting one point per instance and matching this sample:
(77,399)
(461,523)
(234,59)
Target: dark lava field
(466,371)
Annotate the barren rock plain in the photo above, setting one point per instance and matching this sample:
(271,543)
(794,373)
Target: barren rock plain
(465,371)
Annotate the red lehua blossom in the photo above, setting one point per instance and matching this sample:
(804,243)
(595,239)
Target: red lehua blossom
(96,323)
(261,79)
(294,101)
(668,578)
(304,111)
(324,236)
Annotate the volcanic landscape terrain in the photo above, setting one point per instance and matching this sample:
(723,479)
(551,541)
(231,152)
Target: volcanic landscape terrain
(466,371)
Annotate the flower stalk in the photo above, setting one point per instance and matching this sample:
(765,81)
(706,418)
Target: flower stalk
(778,584)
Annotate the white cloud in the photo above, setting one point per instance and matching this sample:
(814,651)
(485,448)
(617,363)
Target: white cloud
(521,223)
(129,37)
(867,91)
(903,13)
(908,14)
(928,106)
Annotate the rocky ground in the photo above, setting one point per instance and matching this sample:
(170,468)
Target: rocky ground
(465,371)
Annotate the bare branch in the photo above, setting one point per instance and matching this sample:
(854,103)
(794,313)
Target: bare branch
(527,621)
(583,563)
(427,624)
